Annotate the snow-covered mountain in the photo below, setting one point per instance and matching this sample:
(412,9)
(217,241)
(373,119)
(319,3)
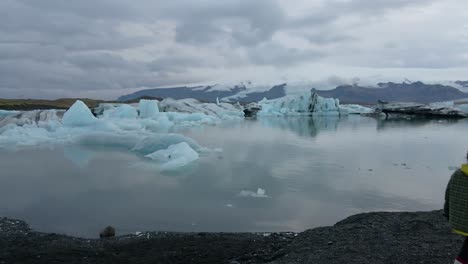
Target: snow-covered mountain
(243,92)
(247,92)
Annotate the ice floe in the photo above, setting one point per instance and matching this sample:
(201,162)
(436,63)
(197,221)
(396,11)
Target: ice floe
(175,156)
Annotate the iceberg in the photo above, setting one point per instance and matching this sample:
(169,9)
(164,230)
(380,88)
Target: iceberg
(355,109)
(175,156)
(148,108)
(221,111)
(4,113)
(462,107)
(157,142)
(121,111)
(304,104)
(42,118)
(78,115)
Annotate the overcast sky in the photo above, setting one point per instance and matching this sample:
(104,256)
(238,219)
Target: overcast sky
(106,48)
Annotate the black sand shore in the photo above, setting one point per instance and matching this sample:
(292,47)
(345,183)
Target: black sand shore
(420,237)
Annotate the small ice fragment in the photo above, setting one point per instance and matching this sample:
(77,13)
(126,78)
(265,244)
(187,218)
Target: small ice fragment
(175,156)
(261,193)
(229,205)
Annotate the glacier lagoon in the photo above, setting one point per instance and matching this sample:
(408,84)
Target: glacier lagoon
(273,174)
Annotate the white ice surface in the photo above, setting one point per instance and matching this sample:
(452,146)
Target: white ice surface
(175,156)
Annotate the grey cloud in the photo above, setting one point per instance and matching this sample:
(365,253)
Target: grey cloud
(280,56)
(198,33)
(323,37)
(333,10)
(244,22)
(86,46)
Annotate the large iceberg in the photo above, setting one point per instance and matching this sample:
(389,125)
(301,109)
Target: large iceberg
(304,104)
(222,111)
(78,115)
(175,156)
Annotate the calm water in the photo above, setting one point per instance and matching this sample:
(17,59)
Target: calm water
(315,172)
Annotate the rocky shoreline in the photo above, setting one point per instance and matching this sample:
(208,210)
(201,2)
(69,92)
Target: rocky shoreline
(419,237)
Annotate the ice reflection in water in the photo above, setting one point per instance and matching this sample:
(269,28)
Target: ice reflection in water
(315,171)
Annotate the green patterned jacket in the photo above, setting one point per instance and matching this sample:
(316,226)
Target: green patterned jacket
(456,201)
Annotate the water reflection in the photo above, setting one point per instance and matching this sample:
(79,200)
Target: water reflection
(413,122)
(302,125)
(348,167)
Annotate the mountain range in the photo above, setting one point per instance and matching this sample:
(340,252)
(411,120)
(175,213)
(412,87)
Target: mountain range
(418,92)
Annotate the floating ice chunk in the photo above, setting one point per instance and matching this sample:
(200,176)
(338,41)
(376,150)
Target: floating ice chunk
(162,141)
(160,123)
(26,135)
(7,113)
(191,118)
(462,107)
(35,117)
(261,193)
(78,115)
(148,108)
(123,111)
(175,156)
(445,104)
(355,109)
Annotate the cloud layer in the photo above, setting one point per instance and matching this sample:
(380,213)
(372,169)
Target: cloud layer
(102,48)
